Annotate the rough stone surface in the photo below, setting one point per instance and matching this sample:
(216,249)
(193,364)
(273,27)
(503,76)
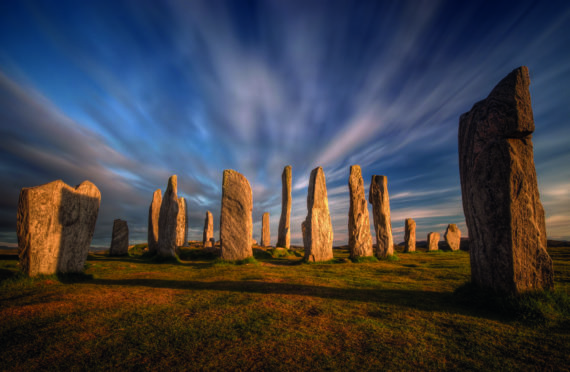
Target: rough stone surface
(265,233)
(378,197)
(359,237)
(182,223)
(120,239)
(317,228)
(499,188)
(236,224)
(208,234)
(55,225)
(284,233)
(433,241)
(168,220)
(153,216)
(410,235)
(452,236)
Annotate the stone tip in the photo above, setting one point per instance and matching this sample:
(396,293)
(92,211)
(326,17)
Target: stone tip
(173,183)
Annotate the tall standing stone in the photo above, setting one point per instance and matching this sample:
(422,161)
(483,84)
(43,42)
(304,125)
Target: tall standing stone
(284,233)
(378,197)
(55,225)
(168,220)
(265,233)
(359,237)
(433,241)
(317,228)
(153,216)
(236,225)
(501,202)
(120,239)
(182,223)
(452,236)
(410,235)
(208,230)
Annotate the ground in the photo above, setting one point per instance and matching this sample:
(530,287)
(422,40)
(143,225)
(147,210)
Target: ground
(414,311)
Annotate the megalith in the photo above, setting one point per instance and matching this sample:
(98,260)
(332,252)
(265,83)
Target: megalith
(55,226)
(359,237)
(236,225)
(284,233)
(378,197)
(168,220)
(501,202)
(153,216)
(182,223)
(119,239)
(265,233)
(433,241)
(410,235)
(208,234)
(317,228)
(452,236)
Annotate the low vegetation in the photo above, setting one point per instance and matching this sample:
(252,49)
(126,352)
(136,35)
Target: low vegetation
(413,311)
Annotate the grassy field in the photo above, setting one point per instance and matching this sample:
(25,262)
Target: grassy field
(416,311)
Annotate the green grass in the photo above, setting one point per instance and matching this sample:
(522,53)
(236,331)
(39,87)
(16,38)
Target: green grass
(272,313)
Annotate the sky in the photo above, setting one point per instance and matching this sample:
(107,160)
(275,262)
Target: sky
(127,93)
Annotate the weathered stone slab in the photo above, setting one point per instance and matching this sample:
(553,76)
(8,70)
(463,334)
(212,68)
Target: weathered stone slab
(182,223)
(452,236)
(236,224)
(359,237)
(284,233)
(380,200)
(317,228)
(265,233)
(168,220)
(433,241)
(120,239)
(208,234)
(55,225)
(410,235)
(153,216)
(499,188)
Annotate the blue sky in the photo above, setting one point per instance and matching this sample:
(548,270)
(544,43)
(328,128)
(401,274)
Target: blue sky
(126,93)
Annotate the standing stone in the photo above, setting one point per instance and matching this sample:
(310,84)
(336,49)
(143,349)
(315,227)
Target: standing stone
(284,234)
(265,234)
(168,220)
(120,239)
(410,235)
(236,225)
(182,223)
(208,234)
(55,225)
(452,236)
(317,228)
(153,216)
(378,197)
(359,237)
(433,241)
(501,202)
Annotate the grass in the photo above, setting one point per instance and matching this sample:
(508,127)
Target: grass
(272,313)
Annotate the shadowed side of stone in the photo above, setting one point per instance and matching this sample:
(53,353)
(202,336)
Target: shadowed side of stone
(208,233)
(359,237)
(410,235)
(168,220)
(499,190)
(236,225)
(284,233)
(119,239)
(380,200)
(153,216)
(265,232)
(317,228)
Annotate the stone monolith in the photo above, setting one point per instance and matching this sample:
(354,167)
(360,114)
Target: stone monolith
(119,239)
(317,228)
(359,237)
(378,197)
(168,220)
(410,235)
(235,219)
(208,230)
(433,241)
(55,225)
(265,233)
(153,216)
(182,223)
(452,236)
(284,233)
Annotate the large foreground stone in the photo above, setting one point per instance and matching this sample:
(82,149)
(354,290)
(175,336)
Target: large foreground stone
(317,228)
(284,233)
(55,225)
(378,197)
(168,220)
(452,236)
(208,234)
(433,241)
(120,239)
(359,237)
(153,216)
(182,223)
(236,225)
(265,233)
(410,235)
(501,202)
